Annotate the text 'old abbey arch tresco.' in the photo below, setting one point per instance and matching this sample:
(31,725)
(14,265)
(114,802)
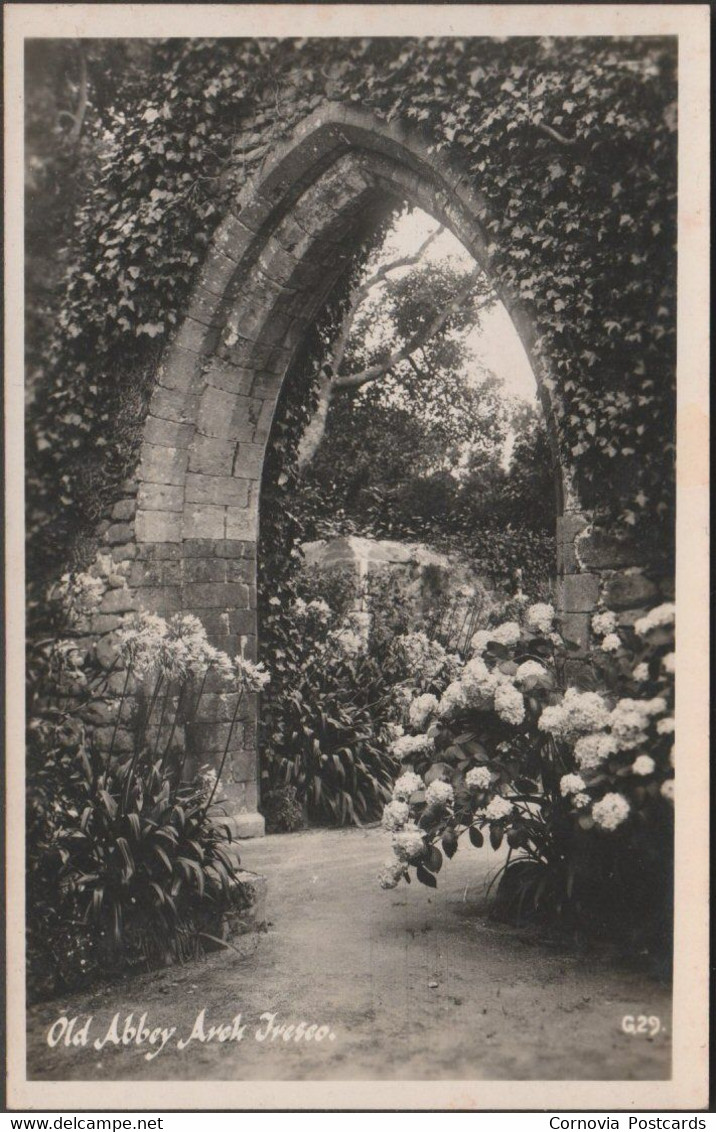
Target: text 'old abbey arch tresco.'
(280,250)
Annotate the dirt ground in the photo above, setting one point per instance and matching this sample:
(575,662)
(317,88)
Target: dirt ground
(409,984)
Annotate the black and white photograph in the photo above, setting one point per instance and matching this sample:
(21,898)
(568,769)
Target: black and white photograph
(345,387)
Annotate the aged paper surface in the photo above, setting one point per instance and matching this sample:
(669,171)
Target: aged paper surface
(687,1087)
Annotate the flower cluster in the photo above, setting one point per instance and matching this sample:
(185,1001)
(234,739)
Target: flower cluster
(421,710)
(439,793)
(578,712)
(660,617)
(407,747)
(478,778)
(423,658)
(407,785)
(539,618)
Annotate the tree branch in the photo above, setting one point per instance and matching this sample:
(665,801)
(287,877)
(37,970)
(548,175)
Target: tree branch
(364,289)
(355,380)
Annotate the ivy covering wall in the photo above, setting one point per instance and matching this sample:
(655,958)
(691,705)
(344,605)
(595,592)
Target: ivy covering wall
(571,144)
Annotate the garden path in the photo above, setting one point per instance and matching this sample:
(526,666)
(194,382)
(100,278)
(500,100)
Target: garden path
(414,983)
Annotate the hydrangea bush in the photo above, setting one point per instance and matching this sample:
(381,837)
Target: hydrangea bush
(576,781)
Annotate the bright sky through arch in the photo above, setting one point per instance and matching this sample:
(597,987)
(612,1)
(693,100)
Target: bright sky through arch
(496,343)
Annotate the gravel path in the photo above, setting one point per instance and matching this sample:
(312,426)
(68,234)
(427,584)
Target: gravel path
(407,984)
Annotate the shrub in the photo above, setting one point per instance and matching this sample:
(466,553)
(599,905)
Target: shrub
(577,782)
(282,810)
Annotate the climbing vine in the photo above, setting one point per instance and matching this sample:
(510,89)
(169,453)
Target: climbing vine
(570,142)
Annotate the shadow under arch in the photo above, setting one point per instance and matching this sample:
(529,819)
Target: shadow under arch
(270,267)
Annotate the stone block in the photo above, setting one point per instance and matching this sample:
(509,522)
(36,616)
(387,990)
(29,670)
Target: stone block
(216,595)
(244,826)
(161,497)
(123,510)
(181,370)
(577,593)
(237,548)
(161,464)
(216,414)
(118,533)
(218,629)
(193,336)
(212,456)
(242,622)
(168,434)
(239,570)
(216,708)
(208,570)
(599,550)
(241,523)
(159,526)
(170,404)
(218,270)
(249,460)
(154,552)
(200,548)
(160,599)
(205,522)
(575,627)
(628,590)
(120,553)
(218,490)
(569,525)
(232,240)
(230,379)
(118,601)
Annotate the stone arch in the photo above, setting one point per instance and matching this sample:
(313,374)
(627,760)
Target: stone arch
(271,265)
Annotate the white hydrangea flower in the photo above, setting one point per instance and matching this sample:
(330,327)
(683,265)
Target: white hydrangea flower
(478,778)
(581,801)
(529,669)
(439,793)
(479,641)
(423,658)
(667,789)
(406,786)
(571,784)
(604,623)
(668,663)
(409,842)
(610,811)
(661,615)
(539,618)
(452,701)
(393,731)
(579,712)
(666,726)
(630,719)
(391,873)
(611,643)
(350,643)
(421,710)
(408,746)
(506,634)
(641,672)
(395,815)
(509,704)
(498,809)
(592,750)
(643,765)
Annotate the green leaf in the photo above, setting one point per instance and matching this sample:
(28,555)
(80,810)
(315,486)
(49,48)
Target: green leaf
(425,877)
(476,836)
